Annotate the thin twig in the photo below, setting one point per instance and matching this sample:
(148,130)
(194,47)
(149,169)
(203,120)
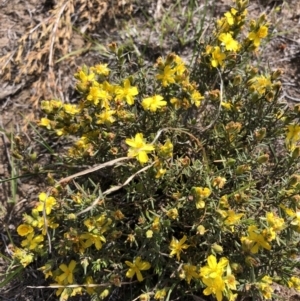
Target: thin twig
(92,169)
(112,189)
(290,97)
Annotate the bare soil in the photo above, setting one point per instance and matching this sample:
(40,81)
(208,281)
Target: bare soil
(124,22)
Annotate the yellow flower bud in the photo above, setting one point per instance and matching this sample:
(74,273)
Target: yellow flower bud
(71,216)
(250,261)
(201,230)
(149,234)
(242,169)
(230,161)
(144,297)
(237,80)
(104,294)
(172,213)
(276,74)
(263,158)
(236,268)
(217,248)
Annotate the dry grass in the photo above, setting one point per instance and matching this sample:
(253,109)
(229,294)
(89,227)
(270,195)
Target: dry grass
(44,49)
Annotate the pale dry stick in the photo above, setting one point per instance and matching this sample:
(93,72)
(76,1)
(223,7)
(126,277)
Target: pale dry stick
(71,285)
(290,97)
(54,34)
(113,162)
(157,13)
(79,285)
(38,25)
(114,188)
(92,169)
(45,226)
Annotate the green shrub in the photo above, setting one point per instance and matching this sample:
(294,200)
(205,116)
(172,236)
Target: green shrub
(192,183)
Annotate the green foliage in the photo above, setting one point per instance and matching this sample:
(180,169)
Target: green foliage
(193,184)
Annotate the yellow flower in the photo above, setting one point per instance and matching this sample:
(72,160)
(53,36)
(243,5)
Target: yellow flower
(160,173)
(31,242)
(23,256)
(84,77)
(255,239)
(106,117)
(231,218)
(177,246)
(46,201)
(215,286)
(46,269)
(292,136)
(261,33)
(166,150)
(231,282)
(189,272)
(294,282)
(172,213)
(136,267)
(56,104)
(177,103)
(265,287)
(76,291)
(213,268)
(180,67)
(224,201)
(217,57)
(67,276)
(24,229)
(101,69)
(89,239)
(153,103)
(156,224)
(229,42)
(160,294)
(196,98)
(167,76)
(274,221)
(139,148)
(219,182)
(201,194)
(46,123)
(94,94)
(230,16)
(223,24)
(296,221)
(127,92)
(259,84)
(71,109)
(269,234)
